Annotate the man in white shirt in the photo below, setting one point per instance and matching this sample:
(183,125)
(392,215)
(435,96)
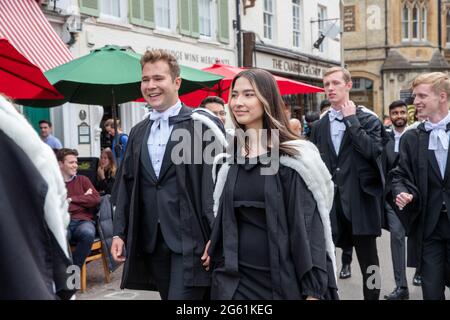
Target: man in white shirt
(46,130)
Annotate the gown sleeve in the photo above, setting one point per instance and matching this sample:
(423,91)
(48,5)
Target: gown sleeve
(313,267)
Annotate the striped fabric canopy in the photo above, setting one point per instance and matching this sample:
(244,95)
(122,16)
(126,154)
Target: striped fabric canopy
(24,25)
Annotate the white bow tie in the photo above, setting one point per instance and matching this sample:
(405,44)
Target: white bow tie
(438,132)
(338,125)
(335,115)
(156,116)
(161,120)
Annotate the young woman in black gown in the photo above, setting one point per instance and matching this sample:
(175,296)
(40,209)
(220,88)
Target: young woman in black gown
(271,237)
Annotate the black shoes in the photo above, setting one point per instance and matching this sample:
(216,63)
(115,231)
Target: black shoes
(398,294)
(346,272)
(417,280)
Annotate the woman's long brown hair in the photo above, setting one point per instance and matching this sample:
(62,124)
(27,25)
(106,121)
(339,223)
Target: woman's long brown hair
(112,164)
(274,118)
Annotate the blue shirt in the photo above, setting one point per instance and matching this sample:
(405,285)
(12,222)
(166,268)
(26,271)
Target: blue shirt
(53,142)
(337,128)
(160,134)
(123,138)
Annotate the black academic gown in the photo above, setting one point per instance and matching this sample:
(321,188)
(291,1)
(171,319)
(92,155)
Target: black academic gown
(33,264)
(195,187)
(357,171)
(412,176)
(299,264)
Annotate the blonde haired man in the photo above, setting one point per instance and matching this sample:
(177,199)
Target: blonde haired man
(421,183)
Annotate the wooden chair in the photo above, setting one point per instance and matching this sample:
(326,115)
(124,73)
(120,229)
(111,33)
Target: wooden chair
(96,253)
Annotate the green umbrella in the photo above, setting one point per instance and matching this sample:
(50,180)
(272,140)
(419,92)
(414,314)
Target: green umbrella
(109,76)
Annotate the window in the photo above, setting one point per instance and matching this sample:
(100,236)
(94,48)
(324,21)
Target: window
(448,28)
(111,8)
(405,23)
(322,16)
(206,17)
(414,20)
(415,23)
(268,19)
(296,23)
(424,23)
(163,14)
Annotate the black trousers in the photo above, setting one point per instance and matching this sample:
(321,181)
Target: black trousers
(347,255)
(436,260)
(366,252)
(166,268)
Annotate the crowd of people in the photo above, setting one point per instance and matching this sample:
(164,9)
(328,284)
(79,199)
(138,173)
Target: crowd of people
(259,214)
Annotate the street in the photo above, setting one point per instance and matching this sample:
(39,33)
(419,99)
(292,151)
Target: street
(349,289)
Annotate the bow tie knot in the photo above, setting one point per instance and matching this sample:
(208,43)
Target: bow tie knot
(438,133)
(156,116)
(335,115)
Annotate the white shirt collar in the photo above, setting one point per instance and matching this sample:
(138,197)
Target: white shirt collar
(172,111)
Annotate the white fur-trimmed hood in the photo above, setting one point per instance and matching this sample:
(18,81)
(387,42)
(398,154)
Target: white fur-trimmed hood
(15,126)
(313,171)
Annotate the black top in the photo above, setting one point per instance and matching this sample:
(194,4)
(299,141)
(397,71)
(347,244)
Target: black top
(251,216)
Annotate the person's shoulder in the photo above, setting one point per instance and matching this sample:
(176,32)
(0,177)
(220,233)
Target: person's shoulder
(208,120)
(85,181)
(411,134)
(365,113)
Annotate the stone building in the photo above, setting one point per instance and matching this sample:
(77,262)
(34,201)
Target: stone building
(389,42)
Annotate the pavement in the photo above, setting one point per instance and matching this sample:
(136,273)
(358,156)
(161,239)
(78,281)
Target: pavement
(349,289)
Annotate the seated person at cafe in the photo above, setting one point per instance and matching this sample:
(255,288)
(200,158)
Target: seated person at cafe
(106,172)
(83,200)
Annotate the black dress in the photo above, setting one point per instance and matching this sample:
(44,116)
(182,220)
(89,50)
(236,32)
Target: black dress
(253,247)
(267,242)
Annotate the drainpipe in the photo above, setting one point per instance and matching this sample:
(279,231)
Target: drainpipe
(238,33)
(341,9)
(386,50)
(440,25)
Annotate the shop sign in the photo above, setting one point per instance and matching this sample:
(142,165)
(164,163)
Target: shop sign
(290,66)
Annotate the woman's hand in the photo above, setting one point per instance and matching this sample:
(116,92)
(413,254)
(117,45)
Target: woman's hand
(101,173)
(205,257)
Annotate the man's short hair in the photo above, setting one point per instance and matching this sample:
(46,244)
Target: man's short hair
(438,80)
(212,99)
(324,104)
(312,116)
(110,123)
(152,56)
(398,103)
(64,152)
(346,74)
(45,121)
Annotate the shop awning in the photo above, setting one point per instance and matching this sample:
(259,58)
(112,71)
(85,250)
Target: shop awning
(24,25)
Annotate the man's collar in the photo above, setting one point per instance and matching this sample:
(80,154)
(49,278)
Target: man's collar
(71,179)
(173,110)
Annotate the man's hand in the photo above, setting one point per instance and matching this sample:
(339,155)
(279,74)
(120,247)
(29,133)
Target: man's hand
(88,192)
(403,199)
(117,247)
(311,298)
(205,257)
(348,109)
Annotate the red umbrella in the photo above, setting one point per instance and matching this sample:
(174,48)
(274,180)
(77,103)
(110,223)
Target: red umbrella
(20,79)
(286,86)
